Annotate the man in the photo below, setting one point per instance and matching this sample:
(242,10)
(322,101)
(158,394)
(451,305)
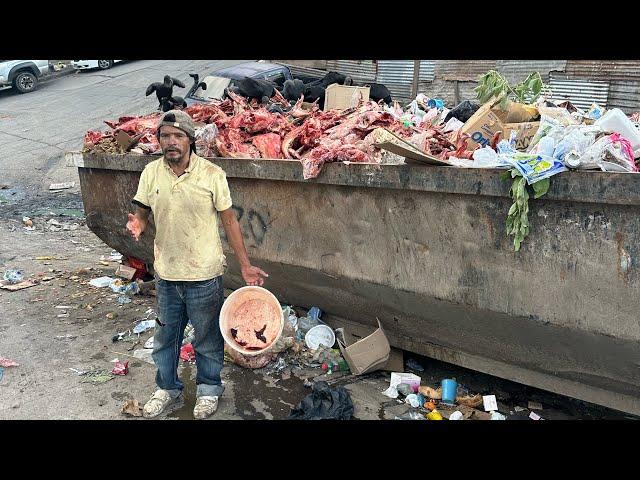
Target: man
(184,191)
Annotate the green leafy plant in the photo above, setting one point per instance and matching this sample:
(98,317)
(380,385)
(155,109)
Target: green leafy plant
(494,84)
(518,216)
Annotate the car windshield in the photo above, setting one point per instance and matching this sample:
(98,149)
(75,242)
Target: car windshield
(215,88)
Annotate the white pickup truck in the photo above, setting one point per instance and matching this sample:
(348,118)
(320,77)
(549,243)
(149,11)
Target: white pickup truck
(23,75)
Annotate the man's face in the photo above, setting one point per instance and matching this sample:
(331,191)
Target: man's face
(174,143)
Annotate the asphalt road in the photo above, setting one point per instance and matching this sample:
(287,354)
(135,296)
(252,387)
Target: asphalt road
(37,128)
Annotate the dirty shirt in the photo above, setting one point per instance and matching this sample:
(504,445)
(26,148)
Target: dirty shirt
(187,246)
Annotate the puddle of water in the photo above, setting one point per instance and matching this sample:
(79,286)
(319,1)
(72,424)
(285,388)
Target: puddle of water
(185,412)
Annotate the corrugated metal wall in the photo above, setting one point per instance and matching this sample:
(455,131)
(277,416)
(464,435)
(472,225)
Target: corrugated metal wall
(581,92)
(397,76)
(359,70)
(516,71)
(462,70)
(577,79)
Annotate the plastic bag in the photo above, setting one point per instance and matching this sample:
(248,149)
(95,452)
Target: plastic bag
(486,157)
(610,153)
(205,141)
(535,167)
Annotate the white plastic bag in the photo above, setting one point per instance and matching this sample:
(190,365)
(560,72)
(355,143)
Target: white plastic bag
(205,141)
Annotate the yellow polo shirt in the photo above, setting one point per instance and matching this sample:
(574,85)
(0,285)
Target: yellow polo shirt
(187,246)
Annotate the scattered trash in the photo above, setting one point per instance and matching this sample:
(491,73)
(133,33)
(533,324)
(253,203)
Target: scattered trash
(411,416)
(473,401)
(28,223)
(5,362)
(320,335)
(324,403)
(13,276)
(1,373)
(428,392)
(535,416)
(125,337)
(534,406)
(66,337)
(132,407)
(145,355)
(404,389)
(414,365)
(149,343)
(413,399)
(118,286)
(62,186)
(111,315)
(490,403)
(457,415)
(519,409)
(187,353)
(290,314)
(120,368)
(123,300)
(497,416)
(125,272)
(113,257)
(430,405)
(391,392)
(143,326)
(101,282)
(97,376)
(409,378)
(56,226)
(449,390)
(434,415)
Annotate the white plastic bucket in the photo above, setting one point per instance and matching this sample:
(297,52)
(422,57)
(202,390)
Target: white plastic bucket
(228,319)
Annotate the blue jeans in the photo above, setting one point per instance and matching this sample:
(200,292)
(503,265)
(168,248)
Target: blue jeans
(178,303)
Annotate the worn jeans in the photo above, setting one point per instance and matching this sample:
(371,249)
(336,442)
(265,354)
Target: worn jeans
(178,303)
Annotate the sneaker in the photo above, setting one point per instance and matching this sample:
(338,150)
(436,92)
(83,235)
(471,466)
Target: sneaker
(205,407)
(157,403)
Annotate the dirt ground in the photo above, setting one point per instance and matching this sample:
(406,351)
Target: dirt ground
(63,326)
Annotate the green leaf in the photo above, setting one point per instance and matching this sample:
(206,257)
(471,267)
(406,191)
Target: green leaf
(541,187)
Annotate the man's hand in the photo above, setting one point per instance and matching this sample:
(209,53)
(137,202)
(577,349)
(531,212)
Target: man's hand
(135,227)
(253,275)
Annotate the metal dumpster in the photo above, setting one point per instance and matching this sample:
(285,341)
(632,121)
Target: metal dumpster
(424,250)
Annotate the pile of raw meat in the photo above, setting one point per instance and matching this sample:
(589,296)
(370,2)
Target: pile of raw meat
(248,130)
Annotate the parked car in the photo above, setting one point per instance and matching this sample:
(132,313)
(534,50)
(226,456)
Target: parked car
(87,64)
(23,75)
(217,81)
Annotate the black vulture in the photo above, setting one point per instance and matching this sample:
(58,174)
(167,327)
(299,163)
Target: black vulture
(196,83)
(251,88)
(378,91)
(293,89)
(165,89)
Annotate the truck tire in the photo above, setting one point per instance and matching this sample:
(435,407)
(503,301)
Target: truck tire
(25,82)
(105,64)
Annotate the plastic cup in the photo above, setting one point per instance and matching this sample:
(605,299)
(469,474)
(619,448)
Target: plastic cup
(449,388)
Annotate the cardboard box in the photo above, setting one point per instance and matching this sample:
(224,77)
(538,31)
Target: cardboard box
(526,132)
(489,119)
(341,97)
(366,355)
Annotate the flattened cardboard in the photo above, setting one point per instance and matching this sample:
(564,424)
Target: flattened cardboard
(405,149)
(366,355)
